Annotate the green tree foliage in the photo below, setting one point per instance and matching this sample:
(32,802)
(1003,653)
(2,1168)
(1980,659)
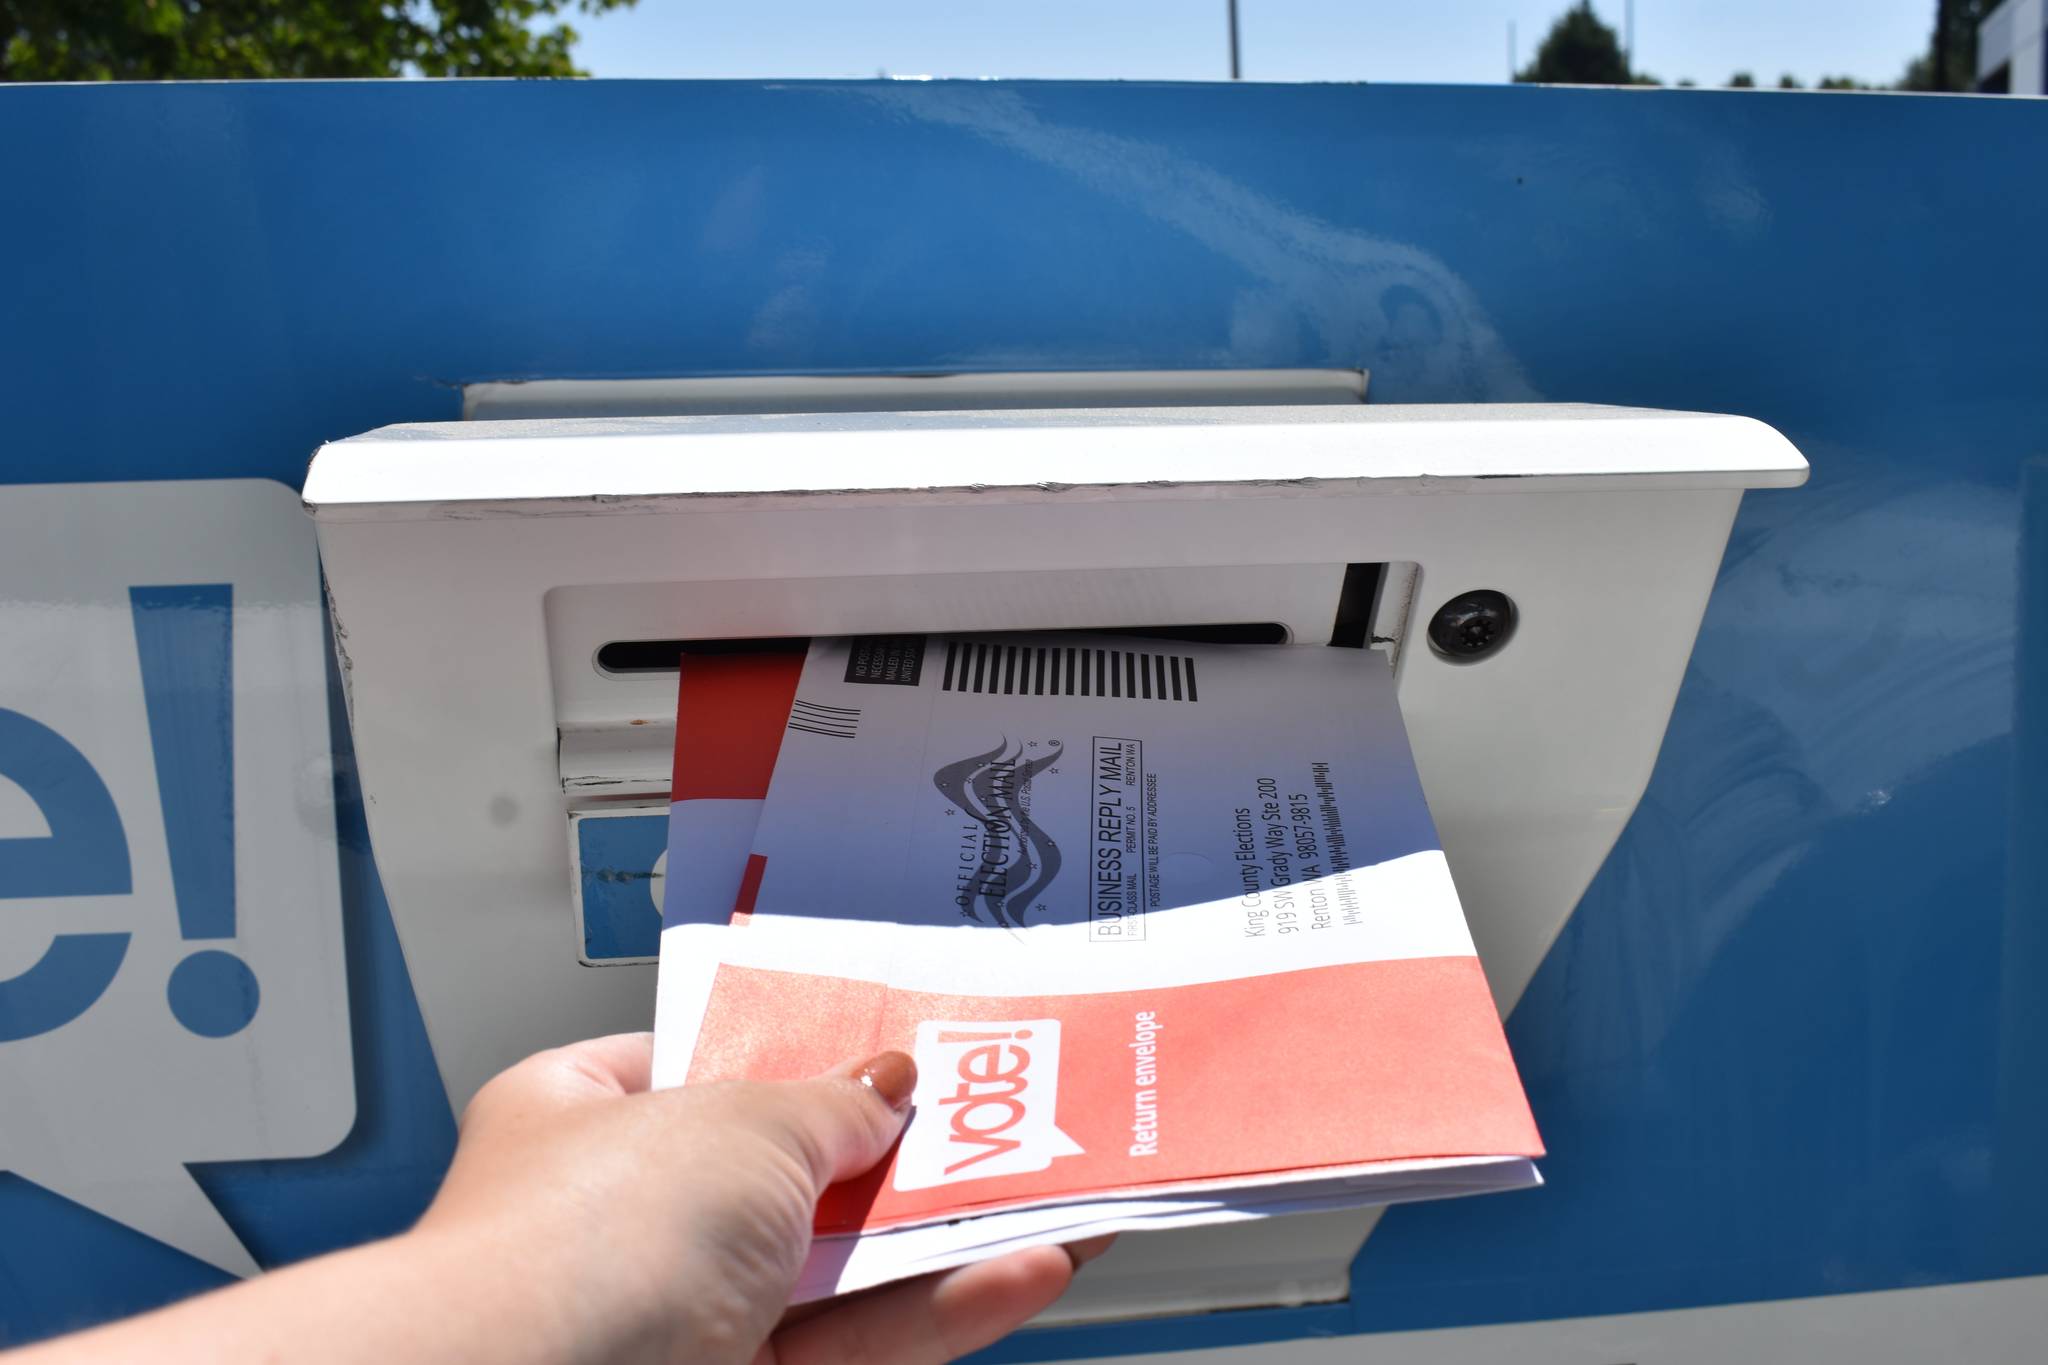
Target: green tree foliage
(1950,62)
(1580,50)
(97,40)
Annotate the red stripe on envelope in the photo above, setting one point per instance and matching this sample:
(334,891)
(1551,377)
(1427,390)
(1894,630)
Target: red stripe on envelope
(750,890)
(730,713)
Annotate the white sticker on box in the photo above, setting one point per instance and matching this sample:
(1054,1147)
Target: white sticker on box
(172,980)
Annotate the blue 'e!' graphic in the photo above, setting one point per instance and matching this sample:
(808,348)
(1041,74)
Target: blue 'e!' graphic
(184,641)
(84,854)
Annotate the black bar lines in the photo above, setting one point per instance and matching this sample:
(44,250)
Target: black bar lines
(836,722)
(1058,670)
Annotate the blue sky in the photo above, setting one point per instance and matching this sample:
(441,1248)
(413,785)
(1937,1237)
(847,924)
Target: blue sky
(1460,41)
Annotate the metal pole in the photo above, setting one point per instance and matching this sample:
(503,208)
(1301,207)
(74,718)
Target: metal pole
(1628,35)
(1235,73)
(1940,57)
(1511,50)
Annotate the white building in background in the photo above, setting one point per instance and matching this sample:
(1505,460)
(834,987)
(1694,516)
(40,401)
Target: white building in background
(2009,49)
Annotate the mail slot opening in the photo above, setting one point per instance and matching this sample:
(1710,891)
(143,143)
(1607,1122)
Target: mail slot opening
(635,658)
(665,656)
(1360,589)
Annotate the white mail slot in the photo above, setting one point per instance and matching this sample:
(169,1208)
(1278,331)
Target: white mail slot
(509,596)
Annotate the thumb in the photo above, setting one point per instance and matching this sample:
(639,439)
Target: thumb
(843,1122)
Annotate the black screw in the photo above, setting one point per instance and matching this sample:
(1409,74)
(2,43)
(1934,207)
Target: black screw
(1472,625)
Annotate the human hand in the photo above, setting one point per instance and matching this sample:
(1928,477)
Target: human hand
(587,1219)
(670,1225)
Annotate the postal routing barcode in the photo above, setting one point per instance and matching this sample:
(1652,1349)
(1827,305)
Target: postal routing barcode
(1067,671)
(834,722)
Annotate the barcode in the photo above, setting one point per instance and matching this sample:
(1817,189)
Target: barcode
(1067,671)
(839,722)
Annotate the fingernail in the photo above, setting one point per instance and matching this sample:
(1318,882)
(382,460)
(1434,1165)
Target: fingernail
(893,1076)
(1081,1253)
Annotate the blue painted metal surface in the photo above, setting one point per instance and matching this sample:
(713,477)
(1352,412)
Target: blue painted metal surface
(1790,1044)
(614,858)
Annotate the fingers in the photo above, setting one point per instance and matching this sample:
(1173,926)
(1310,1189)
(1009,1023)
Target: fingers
(596,1069)
(932,1320)
(1089,1248)
(834,1126)
(621,1064)
(842,1123)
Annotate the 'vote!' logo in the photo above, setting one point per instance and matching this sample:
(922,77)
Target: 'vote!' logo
(987,1095)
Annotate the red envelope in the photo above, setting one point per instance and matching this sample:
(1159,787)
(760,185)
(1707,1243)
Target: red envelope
(731,710)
